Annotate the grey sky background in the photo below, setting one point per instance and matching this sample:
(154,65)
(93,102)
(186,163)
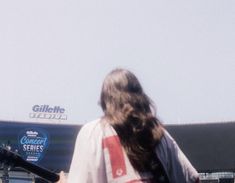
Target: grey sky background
(58,52)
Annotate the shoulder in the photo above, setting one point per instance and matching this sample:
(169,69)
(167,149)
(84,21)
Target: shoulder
(168,143)
(90,136)
(167,139)
(91,128)
(168,136)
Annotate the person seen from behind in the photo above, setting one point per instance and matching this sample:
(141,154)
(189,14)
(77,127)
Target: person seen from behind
(128,144)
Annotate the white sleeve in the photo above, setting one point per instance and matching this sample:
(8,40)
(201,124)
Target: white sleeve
(87,163)
(178,167)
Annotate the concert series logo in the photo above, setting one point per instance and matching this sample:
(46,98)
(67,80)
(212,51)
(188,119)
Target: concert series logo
(48,112)
(32,144)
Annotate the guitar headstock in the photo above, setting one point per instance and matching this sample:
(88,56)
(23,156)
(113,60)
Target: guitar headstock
(11,159)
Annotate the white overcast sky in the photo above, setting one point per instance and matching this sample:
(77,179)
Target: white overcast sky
(58,52)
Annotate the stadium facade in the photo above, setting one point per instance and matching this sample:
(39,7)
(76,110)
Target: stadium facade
(209,146)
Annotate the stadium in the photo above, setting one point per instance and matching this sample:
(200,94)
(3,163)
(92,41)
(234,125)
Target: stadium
(209,147)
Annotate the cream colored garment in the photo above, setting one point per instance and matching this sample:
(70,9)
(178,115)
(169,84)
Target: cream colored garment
(99,158)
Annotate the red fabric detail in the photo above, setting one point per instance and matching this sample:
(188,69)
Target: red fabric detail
(140,181)
(116,155)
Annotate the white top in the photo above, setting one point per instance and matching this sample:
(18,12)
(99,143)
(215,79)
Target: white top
(99,158)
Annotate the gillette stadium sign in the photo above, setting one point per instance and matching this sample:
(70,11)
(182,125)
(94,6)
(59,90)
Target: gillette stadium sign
(48,112)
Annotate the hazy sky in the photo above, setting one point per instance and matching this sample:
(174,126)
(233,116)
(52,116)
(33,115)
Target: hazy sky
(58,52)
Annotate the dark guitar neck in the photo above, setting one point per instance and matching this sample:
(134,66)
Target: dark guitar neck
(11,158)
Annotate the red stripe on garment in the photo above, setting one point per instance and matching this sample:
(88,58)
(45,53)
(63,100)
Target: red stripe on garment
(139,181)
(116,155)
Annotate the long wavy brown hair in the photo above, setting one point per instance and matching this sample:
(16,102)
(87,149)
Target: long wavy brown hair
(131,112)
